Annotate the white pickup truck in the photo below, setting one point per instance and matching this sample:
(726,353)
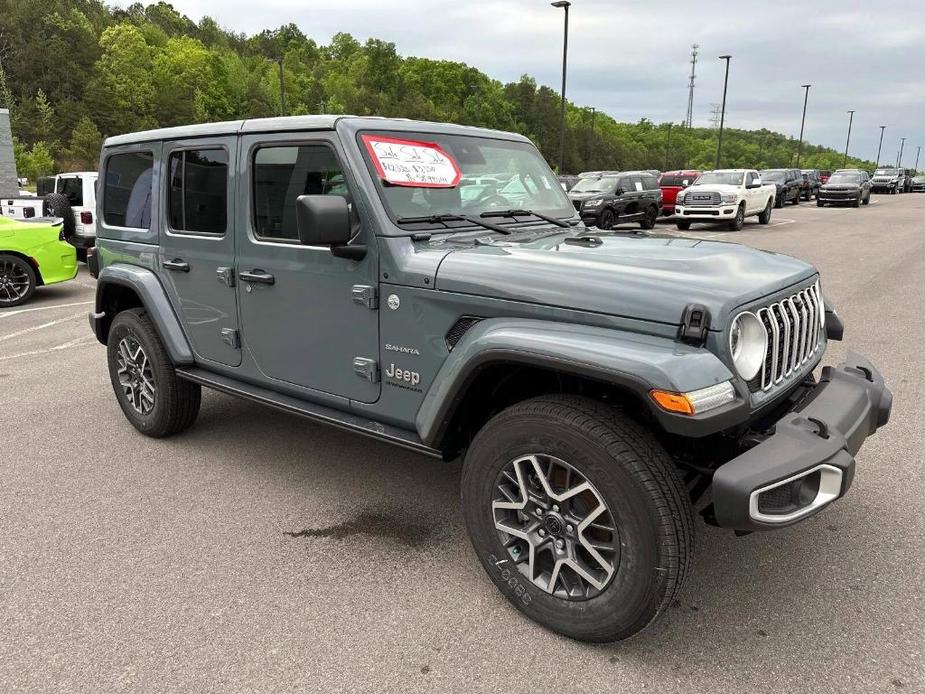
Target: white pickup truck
(79,188)
(725,196)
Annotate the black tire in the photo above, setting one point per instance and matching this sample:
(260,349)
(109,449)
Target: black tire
(17,280)
(175,401)
(796,198)
(867,199)
(765,216)
(739,221)
(857,201)
(58,205)
(683,226)
(819,203)
(778,202)
(606,220)
(637,481)
(893,190)
(649,218)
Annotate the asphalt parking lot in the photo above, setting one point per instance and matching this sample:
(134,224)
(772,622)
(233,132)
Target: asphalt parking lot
(259,552)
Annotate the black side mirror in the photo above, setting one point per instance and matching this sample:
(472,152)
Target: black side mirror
(619,191)
(324,220)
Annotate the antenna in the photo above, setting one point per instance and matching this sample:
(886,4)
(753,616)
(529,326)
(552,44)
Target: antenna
(690,88)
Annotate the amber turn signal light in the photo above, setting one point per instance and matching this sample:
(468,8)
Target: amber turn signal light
(672,402)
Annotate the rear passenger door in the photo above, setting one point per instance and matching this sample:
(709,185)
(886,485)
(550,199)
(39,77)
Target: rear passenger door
(196,255)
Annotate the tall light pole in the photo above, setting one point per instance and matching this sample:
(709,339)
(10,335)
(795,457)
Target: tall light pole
(564,4)
(880,146)
(474,88)
(722,116)
(591,139)
(803,123)
(282,89)
(668,147)
(917,153)
(902,144)
(848,141)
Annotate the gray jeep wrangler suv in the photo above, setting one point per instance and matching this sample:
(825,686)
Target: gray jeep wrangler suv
(431,286)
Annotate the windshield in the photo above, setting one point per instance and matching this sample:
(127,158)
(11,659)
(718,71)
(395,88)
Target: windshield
(886,172)
(844,178)
(595,185)
(724,178)
(773,176)
(496,175)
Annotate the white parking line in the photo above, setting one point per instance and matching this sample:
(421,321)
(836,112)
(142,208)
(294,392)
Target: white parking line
(42,308)
(49,324)
(86,339)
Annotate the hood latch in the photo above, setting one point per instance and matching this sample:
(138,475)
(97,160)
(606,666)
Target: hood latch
(695,324)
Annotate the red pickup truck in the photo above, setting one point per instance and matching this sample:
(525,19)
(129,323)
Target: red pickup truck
(672,183)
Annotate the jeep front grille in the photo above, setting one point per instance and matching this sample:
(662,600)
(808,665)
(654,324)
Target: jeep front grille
(794,334)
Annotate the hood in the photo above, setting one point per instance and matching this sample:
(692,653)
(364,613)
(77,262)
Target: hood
(650,278)
(713,188)
(841,186)
(580,196)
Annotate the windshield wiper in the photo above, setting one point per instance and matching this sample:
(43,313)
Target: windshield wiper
(444,218)
(527,213)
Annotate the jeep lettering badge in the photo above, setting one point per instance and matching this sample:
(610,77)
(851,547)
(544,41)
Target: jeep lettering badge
(412,377)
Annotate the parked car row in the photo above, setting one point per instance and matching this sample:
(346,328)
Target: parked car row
(617,198)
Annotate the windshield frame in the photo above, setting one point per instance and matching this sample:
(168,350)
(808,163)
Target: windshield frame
(565,212)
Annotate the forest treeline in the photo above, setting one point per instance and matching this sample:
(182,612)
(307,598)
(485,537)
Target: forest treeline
(75,71)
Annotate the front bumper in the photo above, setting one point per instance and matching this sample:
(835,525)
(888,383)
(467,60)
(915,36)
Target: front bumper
(591,218)
(839,197)
(706,214)
(808,462)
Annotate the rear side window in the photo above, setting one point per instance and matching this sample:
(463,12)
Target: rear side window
(73,190)
(197,197)
(674,181)
(282,174)
(127,192)
(650,182)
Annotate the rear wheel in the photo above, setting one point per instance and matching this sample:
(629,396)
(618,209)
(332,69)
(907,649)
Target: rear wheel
(765,216)
(683,226)
(17,281)
(153,398)
(779,202)
(578,515)
(648,220)
(796,198)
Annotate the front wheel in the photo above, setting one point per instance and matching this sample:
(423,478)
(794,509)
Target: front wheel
(648,220)
(765,216)
(578,515)
(867,199)
(779,202)
(819,203)
(153,398)
(796,199)
(17,280)
(683,226)
(607,219)
(739,221)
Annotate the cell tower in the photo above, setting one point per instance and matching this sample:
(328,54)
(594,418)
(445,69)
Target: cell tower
(690,88)
(715,115)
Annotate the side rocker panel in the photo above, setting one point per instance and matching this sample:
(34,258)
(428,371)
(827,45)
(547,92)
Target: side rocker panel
(148,288)
(634,361)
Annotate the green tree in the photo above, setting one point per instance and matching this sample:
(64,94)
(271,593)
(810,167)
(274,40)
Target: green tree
(84,148)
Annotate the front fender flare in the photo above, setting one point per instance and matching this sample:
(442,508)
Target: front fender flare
(633,361)
(153,297)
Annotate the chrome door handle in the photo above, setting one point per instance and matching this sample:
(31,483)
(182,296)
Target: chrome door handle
(176,265)
(257,277)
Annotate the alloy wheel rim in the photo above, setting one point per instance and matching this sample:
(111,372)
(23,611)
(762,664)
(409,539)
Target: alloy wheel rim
(555,527)
(14,281)
(136,377)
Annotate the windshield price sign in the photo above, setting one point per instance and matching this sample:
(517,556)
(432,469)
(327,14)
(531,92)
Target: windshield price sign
(412,163)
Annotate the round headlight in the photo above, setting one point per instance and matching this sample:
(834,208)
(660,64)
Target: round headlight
(748,342)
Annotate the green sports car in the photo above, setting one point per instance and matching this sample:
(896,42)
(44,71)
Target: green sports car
(32,254)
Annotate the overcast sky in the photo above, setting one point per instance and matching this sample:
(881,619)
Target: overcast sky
(630,58)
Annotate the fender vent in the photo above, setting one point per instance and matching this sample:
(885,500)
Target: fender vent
(459,328)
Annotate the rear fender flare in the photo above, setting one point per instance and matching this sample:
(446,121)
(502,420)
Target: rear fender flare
(148,288)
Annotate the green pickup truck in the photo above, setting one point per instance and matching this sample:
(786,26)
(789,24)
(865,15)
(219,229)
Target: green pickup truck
(32,254)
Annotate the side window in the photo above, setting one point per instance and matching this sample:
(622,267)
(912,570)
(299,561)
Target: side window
(650,183)
(282,174)
(197,195)
(633,184)
(73,189)
(750,178)
(127,191)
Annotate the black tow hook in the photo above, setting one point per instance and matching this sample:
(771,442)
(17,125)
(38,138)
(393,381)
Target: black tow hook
(823,429)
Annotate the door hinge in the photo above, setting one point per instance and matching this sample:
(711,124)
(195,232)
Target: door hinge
(366,368)
(366,296)
(225,275)
(231,338)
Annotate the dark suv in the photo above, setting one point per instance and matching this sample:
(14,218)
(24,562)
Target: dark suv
(789,184)
(811,183)
(631,196)
(845,186)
